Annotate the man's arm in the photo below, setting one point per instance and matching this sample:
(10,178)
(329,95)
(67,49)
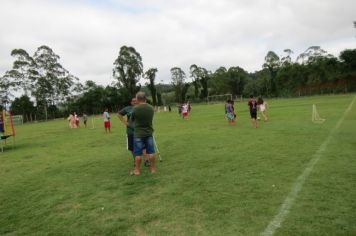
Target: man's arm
(124,121)
(121,115)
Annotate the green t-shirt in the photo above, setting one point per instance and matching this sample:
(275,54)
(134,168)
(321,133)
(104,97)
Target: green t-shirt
(142,116)
(127,111)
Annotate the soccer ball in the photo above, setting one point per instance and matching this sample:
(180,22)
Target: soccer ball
(258,118)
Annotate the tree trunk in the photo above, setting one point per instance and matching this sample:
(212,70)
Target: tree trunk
(45,110)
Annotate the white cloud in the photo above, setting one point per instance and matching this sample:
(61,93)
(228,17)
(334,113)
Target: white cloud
(88,34)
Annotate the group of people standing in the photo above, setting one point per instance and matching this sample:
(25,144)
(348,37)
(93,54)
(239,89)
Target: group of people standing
(139,130)
(253,105)
(74,120)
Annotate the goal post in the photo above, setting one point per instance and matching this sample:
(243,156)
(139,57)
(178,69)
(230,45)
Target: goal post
(17,119)
(315,116)
(219,98)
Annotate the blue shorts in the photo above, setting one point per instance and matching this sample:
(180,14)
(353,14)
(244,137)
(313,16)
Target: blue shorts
(143,143)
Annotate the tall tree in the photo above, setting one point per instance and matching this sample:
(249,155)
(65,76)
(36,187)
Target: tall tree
(178,78)
(219,82)
(194,74)
(200,79)
(53,83)
(204,79)
(237,79)
(128,69)
(348,57)
(310,54)
(5,90)
(287,59)
(150,75)
(23,70)
(272,63)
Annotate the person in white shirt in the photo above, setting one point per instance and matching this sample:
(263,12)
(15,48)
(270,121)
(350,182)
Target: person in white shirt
(185,109)
(106,117)
(263,108)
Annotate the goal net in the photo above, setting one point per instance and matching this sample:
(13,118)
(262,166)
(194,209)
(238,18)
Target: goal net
(315,116)
(219,98)
(18,119)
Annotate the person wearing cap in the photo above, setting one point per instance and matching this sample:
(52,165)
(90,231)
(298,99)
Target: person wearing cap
(127,111)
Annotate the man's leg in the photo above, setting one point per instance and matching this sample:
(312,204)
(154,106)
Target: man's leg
(150,150)
(265,115)
(146,158)
(138,146)
(152,163)
(255,123)
(137,170)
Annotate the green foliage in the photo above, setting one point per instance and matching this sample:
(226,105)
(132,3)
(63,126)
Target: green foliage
(95,98)
(53,83)
(5,90)
(128,69)
(23,106)
(195,75)
(230,81)
(272,63)
(178,78)
(348,58)
(24,70)
(150,75)
(159,99)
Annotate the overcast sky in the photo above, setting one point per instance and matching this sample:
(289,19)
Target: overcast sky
(87,35)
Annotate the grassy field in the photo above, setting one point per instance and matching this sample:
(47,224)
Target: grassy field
(214,179)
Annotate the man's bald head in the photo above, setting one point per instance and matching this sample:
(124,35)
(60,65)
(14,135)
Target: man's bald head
(141,97)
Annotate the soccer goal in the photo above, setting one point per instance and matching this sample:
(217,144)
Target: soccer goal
(18,119)
(315,116)
(218,98)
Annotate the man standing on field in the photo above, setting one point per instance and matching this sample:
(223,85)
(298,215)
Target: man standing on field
(127,111)
(106,117)
(142,116)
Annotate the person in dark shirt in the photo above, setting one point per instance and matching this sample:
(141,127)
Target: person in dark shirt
(127,111)
(252,103)
(142,117)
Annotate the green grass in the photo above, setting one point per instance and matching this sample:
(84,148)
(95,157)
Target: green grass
(214,179)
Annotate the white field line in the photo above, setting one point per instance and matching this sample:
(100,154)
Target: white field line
(297,186)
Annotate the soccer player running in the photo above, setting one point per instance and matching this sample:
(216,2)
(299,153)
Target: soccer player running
(252,103)
(142,116)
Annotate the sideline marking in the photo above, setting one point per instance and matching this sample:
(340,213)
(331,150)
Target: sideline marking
(297,186)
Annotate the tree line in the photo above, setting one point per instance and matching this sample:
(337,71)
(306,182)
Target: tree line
(48,90)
